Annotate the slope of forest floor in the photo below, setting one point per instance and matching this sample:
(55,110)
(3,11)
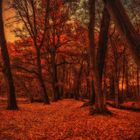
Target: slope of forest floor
(66,120)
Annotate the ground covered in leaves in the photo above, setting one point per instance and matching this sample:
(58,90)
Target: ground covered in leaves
(66,120)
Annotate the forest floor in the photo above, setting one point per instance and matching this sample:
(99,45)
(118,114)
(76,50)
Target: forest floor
(66,120)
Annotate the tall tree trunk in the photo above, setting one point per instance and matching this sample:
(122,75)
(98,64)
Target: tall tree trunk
(92,92)
(112,87)
(40,77)
(124,24)
(116,73)
(92,53)
(63,78)
(127,79)
(55,86)
(116,84)
(90,85)
(78,82)
(97,62)
(123,76)
(6,65)
(102,49)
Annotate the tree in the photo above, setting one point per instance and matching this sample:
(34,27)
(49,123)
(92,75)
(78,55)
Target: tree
(117,11)
(12,105)
(102,49)
(35,27)
(98,59)
(55,40)
(93,62)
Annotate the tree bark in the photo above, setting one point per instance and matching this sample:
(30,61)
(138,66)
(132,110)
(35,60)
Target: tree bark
(116,72)
(127,79)
(102,49)
(40,77)
(55,86)
(92,53)
(123,77)
(12,105)
(96,61)
(112,87)
(78,82)
(92,92)
(90,84)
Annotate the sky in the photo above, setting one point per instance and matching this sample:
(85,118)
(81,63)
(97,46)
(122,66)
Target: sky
(6,15)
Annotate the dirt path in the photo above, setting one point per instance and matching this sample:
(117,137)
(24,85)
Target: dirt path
(65,120)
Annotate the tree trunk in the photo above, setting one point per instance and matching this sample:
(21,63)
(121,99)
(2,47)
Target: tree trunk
(92,54)
(127,79)
(123,77)
(63,78)
(78,82)
(116,84)
(40,77)
(122,20)
(12,105)
(112,87)
(116,75)
(55,86)
(97,62)
(101,53)
(92,92)
(90,85)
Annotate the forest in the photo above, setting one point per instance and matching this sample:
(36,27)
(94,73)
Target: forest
(69,69)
